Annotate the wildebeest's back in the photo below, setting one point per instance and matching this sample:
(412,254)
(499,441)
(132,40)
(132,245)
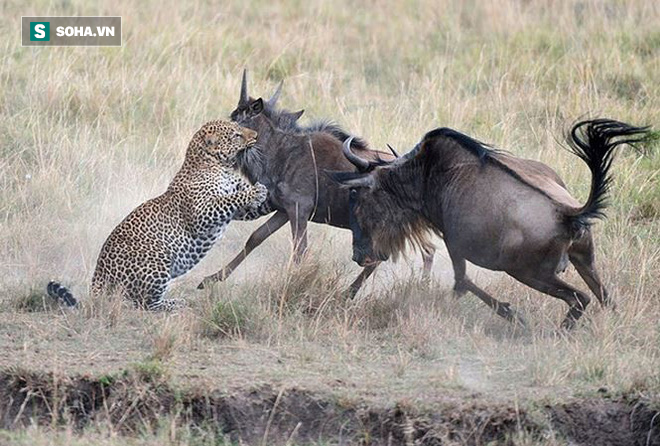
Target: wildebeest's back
(540,176)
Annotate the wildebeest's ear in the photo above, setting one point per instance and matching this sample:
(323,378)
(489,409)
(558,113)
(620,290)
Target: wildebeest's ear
(257,106)
(296,115)
(351,179)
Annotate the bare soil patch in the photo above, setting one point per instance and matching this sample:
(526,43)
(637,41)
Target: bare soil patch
(137,401)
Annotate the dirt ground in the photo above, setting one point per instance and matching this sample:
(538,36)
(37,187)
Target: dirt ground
(60,370)
(255,414)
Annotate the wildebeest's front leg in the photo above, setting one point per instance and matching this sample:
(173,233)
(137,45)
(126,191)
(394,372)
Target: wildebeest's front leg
(463,284)
(364,275)
(299,232)
(262,233)
(427,258)
(298,217)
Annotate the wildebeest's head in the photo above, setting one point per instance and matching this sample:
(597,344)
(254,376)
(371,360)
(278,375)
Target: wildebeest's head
(249,109)
(383,217)
(360,185)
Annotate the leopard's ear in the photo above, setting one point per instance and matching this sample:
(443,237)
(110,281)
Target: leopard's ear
(210,141)
(210,144)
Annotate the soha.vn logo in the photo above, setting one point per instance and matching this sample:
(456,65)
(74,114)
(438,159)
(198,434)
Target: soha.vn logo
(40,31)
(70,31)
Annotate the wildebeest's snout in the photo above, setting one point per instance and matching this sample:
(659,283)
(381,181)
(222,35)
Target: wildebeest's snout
(367,259)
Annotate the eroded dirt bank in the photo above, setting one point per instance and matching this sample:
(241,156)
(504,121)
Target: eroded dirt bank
(135,401)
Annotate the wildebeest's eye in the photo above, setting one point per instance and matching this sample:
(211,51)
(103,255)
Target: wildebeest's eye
(353,193)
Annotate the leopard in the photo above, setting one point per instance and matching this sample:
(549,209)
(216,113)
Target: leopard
(166,236)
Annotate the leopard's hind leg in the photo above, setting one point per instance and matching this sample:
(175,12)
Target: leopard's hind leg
(152,295)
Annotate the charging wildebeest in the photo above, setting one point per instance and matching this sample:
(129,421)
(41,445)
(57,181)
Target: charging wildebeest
(287,159)
(491,209)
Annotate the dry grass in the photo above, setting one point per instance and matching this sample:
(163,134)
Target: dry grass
(87,134)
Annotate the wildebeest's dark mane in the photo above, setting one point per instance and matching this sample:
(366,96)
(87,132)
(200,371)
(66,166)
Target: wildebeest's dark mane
(482,150)
(328,126)
(281,118)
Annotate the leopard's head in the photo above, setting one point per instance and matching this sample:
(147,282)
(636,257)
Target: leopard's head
(221,141)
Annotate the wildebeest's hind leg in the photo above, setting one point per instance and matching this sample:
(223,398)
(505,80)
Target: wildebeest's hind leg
(427,258)
(357,283)
(581,254)
(551,284)
(262,233)
(463,284)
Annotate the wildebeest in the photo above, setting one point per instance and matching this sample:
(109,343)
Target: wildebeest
(288,160)
(491,208)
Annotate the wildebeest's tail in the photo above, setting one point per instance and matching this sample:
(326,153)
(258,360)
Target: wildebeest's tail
(594,142)
(61,294)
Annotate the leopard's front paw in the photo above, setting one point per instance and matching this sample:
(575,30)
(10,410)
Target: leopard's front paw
(261,193)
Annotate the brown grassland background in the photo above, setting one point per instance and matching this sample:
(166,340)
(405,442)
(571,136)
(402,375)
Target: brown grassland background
(86,134)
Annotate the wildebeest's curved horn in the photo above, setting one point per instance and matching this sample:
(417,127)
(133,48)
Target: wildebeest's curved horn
(396,155)
(273,99)
(352,157)
(244,94)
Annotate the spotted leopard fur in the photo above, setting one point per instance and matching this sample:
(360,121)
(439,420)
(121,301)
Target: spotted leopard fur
(167,236)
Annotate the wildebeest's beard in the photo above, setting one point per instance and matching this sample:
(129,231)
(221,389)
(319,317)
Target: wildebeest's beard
(386,204)
(251,162)
(387,226)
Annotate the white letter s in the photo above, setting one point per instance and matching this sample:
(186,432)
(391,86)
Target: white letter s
(39,31)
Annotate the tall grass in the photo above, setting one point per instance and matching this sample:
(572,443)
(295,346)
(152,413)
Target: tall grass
(86,134)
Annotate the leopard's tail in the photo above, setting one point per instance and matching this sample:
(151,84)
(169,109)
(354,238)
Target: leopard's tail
(61,294)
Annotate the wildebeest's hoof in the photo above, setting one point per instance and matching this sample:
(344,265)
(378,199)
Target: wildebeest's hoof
(504,309)
(568,324)
(351,292)
(210,280)
(518,319)
(610,304)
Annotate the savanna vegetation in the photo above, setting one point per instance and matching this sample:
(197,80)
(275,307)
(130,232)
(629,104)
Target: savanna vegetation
(276,354)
